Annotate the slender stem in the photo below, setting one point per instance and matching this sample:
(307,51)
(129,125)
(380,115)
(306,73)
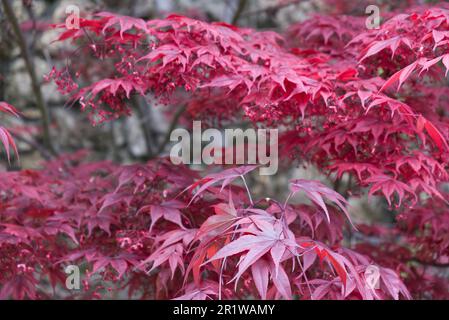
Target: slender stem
(29,64)
(286,200)
(247,190)
(220,280)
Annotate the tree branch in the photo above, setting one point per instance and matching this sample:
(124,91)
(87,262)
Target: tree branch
(241,6)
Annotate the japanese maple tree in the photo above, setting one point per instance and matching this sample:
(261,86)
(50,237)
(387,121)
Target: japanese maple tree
(368,108)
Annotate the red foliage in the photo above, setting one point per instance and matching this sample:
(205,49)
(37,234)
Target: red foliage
(159,232)
(127,222)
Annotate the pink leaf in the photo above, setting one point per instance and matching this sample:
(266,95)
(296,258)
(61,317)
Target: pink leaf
(315,191)
(260,274)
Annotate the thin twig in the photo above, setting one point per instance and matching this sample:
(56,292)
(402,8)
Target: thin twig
(223,265)
(43,151)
